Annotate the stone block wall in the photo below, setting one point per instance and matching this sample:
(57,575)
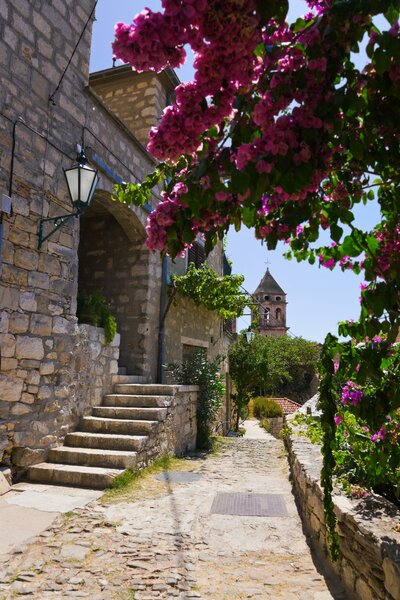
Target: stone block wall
(46,378)
(138,99)
(275,425)
(177,433)
(369,565)
(118,267)
(72,377)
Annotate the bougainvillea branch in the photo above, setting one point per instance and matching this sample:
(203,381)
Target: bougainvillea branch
(282,132)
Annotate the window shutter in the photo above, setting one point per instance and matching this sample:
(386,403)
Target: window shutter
(196,254)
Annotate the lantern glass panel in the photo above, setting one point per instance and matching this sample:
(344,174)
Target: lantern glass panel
(81,182)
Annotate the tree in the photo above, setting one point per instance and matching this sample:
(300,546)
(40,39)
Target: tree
(267,365)
(282,132)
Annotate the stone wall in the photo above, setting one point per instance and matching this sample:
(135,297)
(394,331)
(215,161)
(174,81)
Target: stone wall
(275,426)
(73,378)
(177,433)
(189,328)
(369,565)
(42,390)
(42,386)
(138,99)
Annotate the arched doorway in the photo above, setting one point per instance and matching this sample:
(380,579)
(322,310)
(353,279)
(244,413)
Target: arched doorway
(114,261)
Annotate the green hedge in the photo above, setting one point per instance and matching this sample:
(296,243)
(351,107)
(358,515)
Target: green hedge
(264,408)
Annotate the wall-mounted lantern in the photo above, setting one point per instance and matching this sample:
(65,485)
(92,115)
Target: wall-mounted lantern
(250,335)
(81,181)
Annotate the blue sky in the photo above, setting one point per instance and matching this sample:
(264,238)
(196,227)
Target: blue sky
(318,299)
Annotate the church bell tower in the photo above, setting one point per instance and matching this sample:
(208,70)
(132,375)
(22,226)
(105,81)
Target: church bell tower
(271,306)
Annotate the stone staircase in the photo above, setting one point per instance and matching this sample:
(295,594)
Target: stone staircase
(117,436)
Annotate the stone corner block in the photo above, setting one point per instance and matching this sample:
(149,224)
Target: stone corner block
(29,347)
(5,481)
(391,570)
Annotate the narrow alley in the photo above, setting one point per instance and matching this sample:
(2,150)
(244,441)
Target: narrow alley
(224,528)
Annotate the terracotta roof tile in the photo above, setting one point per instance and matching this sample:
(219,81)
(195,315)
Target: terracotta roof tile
(288,406)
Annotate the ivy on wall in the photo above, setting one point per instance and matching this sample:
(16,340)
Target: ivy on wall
(219,293)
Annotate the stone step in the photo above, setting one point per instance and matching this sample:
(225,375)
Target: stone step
(125,426)
(136,400)
(129,379)
(130,412)
(149,389)
(107,441)
(89,477)
(93,457)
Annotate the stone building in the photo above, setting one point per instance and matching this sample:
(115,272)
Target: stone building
(53,369)
(271,302)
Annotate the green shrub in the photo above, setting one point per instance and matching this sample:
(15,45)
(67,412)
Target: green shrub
(199,371)
(264,408)
(266,424)
(93,309)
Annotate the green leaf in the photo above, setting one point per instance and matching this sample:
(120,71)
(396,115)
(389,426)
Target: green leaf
(382,61)
(277,9)
(357,149)
(336,232)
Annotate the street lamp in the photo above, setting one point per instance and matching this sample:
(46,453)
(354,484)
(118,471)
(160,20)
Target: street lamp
(81,182)
(250,335)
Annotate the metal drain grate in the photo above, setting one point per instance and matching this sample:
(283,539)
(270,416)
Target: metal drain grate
(250,505)
(179,477)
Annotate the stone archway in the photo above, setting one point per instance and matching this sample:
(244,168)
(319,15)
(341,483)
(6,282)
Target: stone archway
(113,260)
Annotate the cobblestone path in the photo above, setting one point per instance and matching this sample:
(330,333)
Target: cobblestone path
(168,545)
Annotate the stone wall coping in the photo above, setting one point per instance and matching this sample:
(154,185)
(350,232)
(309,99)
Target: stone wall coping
(105,76)
(373,514)
(181,389)
(98,332)
(373,519)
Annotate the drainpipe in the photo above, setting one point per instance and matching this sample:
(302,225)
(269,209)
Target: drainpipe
(161,327)
(164,309)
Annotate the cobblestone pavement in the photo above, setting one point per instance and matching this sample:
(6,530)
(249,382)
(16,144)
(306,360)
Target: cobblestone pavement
(168,545)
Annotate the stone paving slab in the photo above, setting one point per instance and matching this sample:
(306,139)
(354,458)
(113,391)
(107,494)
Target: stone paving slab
(171,546)
(47,502)
(18,525)
(254,431)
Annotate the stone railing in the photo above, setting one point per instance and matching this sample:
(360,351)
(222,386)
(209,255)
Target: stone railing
(275,426)
(176,434)
(95,365)
(369,528)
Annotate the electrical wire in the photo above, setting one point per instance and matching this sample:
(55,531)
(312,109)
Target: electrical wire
(51,97)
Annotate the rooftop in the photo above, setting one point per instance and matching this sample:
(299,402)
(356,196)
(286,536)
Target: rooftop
(288,406)
(269,285)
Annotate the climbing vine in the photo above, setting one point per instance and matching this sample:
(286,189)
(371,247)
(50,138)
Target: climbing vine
(219,293)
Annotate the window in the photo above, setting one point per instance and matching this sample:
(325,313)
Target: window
(229,327)
(189,352)
(278,298)
(278,314)
(196,254)
(266,297)
(267,314)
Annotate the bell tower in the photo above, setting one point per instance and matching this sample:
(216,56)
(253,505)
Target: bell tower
(271,306)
